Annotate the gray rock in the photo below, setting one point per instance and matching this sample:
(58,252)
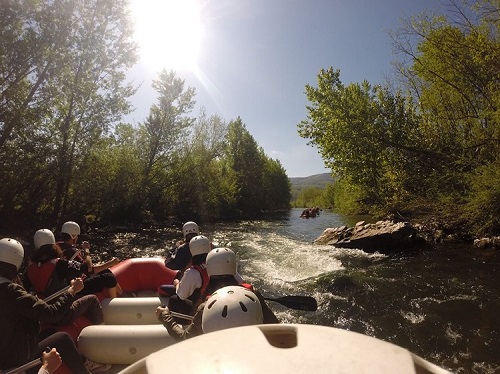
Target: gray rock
(382,237)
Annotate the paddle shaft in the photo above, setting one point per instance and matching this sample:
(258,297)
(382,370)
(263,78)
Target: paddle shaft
(75,254)
(308,303)
(24,367)
(183,316)
(56,294)
(295,302)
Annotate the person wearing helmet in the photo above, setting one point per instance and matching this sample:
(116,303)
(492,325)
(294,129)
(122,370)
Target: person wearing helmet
(180,257)
(21,314)
(70,232)
(99,276)
(47,273)
(231,306)
(191,288)
(222,271)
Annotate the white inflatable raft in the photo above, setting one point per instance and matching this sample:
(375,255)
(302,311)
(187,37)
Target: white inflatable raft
(122,344)
(283,349)
(131,310)
(131,330)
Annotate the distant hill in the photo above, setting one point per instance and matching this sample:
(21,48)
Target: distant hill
(317,180)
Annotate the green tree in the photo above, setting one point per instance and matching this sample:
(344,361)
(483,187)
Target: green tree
(100,49)
(63,72)
(205,192)
(453,71)
(309,197)
(244,159)
(162,136)
(165,128)
(107,187)
(276,186)
(32,38)
(364,133)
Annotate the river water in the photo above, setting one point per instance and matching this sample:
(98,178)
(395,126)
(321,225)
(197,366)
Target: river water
(443,305)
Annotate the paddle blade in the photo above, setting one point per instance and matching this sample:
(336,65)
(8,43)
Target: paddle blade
(297,302)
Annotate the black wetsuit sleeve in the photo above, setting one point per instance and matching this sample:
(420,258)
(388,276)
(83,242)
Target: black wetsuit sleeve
(181,259)
(36,309)
(27,282)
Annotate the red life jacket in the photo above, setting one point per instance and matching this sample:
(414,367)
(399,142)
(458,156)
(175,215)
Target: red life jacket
(199,294)
(40,275)
(248,286)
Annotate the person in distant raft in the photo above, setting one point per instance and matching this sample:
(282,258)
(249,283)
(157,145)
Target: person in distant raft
(180,257)
(101,276)
(21,314)
(222,270)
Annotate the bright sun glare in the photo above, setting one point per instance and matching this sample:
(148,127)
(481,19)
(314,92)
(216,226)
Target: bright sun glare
(168,32)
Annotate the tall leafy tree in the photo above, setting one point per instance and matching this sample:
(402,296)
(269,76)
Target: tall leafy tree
(244,159)
(162,137)
(361,131)
(31,44)
(167,124)
(276,186)
(107,187)
(63,86)
(94,97)
(199,187)
(452,66)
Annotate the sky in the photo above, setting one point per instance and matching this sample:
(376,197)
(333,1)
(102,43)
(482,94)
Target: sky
(253,58)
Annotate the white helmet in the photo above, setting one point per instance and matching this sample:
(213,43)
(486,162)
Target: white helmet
(231,306)
(71,228)
(199,245)
(42,237)
(221,261)
(190,227)
(11,252)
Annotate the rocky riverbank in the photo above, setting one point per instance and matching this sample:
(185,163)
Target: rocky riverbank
(389,237)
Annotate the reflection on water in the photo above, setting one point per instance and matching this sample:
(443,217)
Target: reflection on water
(442,305)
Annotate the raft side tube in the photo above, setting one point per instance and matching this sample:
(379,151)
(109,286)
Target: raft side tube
(143,274)
(122,344)
(130,310)
(285,349)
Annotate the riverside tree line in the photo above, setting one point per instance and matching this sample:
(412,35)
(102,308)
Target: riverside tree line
(427,142)
(66,153)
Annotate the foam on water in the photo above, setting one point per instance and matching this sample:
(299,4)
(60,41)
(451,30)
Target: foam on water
(283,259)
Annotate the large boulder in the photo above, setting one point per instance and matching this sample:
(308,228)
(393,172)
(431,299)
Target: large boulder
(382,237)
